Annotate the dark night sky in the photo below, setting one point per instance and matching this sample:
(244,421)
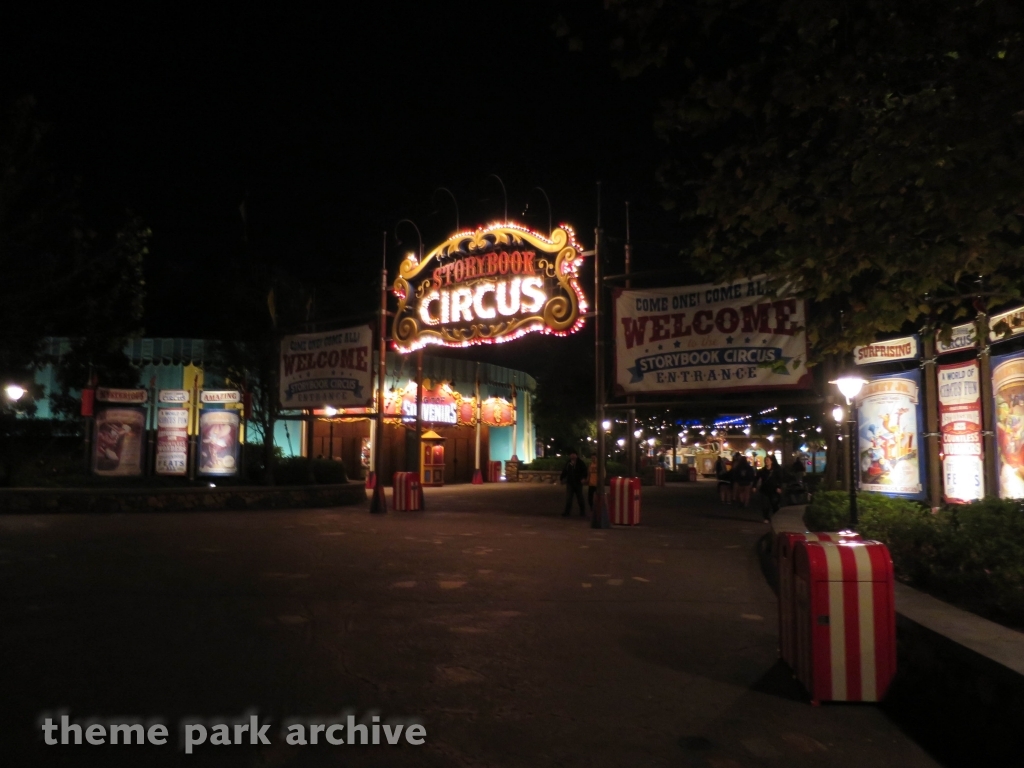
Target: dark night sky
(336,126)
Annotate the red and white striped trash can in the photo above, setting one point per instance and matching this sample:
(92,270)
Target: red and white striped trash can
(494,472)
(659,475)
(407,495)
(845,619)
(624,501)
(784,543)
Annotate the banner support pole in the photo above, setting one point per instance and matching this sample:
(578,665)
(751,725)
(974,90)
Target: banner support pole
(931,398)
(991,457)
(599,514)
(378,504)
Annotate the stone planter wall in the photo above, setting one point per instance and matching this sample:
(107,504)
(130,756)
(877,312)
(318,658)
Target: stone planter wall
(36,500)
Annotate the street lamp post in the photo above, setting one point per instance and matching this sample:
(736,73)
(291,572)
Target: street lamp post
(331,412)
(417,462)
(850,386)
(378,504)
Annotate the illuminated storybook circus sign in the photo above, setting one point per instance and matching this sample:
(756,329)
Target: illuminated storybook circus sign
(492,285)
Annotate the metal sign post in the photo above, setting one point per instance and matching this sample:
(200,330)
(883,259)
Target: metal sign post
(378,504)
(599,514)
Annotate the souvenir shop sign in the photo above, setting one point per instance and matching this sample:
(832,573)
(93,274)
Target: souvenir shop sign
(441,405)
(331,368)
(891,350)
(709,338)
(492,285)
(963,472)
(888,450)
(1008,393)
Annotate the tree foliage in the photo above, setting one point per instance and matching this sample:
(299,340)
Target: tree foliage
(60,277)
(871,154)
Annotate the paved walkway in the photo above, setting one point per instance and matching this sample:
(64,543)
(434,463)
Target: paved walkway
(519,637)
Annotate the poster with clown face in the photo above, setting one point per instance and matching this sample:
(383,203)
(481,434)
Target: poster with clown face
(888,451)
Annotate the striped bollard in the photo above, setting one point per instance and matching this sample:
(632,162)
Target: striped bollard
(407,495)
(784,544)
(624,501)
(659,475)
(845,619)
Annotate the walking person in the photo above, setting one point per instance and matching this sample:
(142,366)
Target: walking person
(769,483)
(573,474)
(724,481)
(745,476)
(592,481)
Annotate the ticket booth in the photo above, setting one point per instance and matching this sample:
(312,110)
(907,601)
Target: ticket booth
(432,459)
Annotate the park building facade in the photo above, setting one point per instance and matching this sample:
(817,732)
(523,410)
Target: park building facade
(461,397)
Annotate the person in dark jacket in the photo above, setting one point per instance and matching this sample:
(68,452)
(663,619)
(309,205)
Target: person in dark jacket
(574,474)
(770,482)
(745,476)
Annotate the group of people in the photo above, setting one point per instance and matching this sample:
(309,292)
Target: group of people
(736,481)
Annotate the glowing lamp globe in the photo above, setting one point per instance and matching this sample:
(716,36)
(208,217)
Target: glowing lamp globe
(850,386)
(14,392)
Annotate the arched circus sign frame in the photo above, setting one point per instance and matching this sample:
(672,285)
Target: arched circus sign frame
(489,286)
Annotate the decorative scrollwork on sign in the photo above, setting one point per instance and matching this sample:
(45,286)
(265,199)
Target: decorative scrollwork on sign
(548,266)
(494,284)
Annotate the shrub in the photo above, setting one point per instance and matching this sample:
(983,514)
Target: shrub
(296,471)
(612,468)
(828,511)
(546,465)
(983,557)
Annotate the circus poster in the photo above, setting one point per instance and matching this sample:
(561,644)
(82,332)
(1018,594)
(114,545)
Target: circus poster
(889,418)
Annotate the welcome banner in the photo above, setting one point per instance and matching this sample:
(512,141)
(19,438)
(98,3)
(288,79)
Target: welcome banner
(331,368)
(712,338)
